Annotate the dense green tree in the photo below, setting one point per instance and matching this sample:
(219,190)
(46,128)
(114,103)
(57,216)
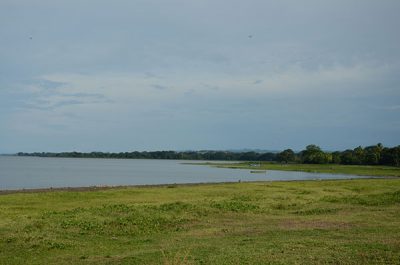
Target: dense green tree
(286,156)
(391,156)
(347,157)
(373,154)
(336,157)
(314,155)
(267,157)
(358,155)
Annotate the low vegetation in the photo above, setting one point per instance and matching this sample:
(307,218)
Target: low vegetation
(308,222)
(360,170)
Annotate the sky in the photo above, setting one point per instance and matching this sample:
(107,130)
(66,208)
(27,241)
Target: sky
(124,75)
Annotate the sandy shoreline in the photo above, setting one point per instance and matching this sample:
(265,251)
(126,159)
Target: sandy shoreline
(99,188)
(173,185)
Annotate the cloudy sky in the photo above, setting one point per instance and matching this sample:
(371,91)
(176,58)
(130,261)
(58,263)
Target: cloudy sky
(198,74)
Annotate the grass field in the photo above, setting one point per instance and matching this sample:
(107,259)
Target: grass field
(307,222)
(360,170)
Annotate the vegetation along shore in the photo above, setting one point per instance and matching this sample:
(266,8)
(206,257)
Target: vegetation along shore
(360,170)
(370,155)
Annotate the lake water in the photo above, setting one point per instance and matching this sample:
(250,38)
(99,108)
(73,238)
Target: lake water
(37,172)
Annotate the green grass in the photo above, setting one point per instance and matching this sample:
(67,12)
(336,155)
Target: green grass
(307,222)
(361,170)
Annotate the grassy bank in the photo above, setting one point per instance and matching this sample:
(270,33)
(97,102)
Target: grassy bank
(360,170)
(308,222)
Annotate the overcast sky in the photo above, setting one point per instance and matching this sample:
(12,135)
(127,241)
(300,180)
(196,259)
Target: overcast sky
(92,75)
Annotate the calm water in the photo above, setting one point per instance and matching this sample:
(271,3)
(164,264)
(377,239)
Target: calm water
(36,172)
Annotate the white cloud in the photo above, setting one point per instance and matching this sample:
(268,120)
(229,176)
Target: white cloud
(105,98)
(141,90)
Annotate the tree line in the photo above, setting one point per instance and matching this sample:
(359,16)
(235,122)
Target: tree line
(370,155)
(313,154)
(184,155)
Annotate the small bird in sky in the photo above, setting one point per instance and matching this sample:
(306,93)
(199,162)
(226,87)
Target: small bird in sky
(30,38)
(250,36)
